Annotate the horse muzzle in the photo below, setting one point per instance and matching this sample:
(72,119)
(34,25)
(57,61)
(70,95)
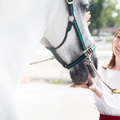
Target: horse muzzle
(82,72)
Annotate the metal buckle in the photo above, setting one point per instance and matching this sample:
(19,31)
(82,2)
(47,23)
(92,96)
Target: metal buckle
(87,50)
(89,58)
(88,54)
(71,18)
(70,2)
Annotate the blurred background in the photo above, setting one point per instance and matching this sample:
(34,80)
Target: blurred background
(45,94)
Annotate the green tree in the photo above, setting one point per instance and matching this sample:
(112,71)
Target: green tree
(107,13)
(102,12)
(96,12)
(117,18)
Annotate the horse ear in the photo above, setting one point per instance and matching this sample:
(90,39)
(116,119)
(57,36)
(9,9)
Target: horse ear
(44,41)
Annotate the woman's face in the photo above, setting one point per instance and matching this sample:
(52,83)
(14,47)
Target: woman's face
(116,45)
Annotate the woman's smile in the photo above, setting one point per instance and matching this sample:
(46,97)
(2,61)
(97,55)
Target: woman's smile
(118,49)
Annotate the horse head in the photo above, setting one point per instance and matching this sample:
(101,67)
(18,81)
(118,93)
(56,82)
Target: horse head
(67,36)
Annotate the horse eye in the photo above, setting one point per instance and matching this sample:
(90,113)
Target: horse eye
(86,7)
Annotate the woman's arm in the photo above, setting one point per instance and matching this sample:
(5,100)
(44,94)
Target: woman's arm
(108,103)
(96,90)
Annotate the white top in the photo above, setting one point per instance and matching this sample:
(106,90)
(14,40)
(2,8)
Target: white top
(109,104)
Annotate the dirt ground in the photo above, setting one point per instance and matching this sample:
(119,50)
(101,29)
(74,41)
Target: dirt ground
(54,102)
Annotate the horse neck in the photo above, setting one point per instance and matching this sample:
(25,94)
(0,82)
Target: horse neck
(22,25)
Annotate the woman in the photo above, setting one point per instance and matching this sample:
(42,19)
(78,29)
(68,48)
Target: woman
(107,104)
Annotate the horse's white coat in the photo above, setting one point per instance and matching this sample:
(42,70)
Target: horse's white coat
(23,24)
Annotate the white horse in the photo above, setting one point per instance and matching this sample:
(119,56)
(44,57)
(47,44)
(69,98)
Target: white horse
(23,23)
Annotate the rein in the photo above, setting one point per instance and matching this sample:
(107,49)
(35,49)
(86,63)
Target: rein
(114,91)
(45,60)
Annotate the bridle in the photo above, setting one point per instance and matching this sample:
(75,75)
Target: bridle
(87,52)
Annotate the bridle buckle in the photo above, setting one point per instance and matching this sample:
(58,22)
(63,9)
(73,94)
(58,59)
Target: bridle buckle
(89,57)
(70,2)
(88,54)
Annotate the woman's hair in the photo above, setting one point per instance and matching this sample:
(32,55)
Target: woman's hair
(111,64)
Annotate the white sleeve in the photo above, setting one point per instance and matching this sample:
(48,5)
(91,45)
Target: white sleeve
(109,104)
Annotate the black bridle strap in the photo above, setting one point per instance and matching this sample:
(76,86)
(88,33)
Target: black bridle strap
(89,51)
(83,56)
(58,58)
(70,23)
(70,9)
(69,26)
(79,35)
(71,13)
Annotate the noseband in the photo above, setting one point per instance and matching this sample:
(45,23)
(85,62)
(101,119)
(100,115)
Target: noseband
(72,22)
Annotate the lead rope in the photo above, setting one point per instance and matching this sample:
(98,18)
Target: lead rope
(52,58)
(116,91)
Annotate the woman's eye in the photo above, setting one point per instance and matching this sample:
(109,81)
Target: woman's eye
(118,36)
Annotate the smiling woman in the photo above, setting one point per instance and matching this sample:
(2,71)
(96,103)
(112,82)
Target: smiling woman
(108,104)
(116,51)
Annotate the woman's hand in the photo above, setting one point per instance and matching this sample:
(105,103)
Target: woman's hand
(88,16)
(90,85)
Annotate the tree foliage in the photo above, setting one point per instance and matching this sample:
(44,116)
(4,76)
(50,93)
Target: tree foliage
(103,14)
(117,19)
(96,12)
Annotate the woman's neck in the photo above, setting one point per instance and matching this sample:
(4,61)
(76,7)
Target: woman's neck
(117,64)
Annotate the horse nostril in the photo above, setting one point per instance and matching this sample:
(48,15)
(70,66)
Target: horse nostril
(71,73)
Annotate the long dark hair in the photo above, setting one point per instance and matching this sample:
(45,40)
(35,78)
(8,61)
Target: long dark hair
(112,63)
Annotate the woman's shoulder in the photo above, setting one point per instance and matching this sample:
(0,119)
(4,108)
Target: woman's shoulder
(106,73)
(101,70)
(101,67)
